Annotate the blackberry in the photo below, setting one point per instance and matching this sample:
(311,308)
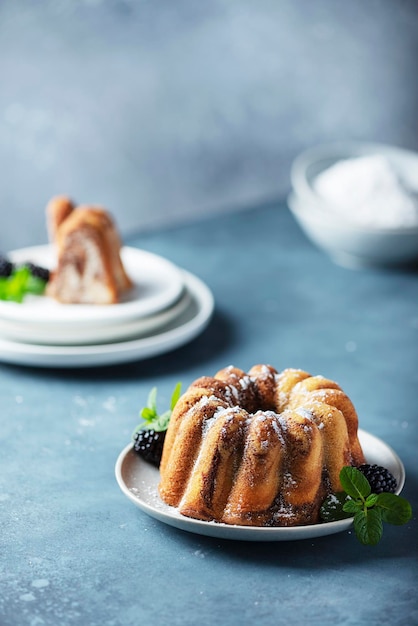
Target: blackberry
(148,443)
(6,267)
(37,271)
(379,477)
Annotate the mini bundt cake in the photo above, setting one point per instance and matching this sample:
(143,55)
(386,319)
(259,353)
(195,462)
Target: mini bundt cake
(258,449)
(89,269)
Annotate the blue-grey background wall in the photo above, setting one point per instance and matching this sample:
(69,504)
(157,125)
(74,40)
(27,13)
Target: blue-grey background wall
(166,110)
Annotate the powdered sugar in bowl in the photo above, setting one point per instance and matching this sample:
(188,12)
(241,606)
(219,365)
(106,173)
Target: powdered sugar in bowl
(358,202)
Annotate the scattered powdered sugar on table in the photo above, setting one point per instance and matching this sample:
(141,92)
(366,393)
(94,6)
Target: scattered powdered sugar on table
(370,192)
(39,583)
(27,597)
(199,554)
(110,404)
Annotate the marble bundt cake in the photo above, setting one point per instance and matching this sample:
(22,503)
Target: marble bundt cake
(258,449)
(89,270)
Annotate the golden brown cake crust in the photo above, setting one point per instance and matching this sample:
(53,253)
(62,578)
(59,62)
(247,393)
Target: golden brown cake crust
(261,448)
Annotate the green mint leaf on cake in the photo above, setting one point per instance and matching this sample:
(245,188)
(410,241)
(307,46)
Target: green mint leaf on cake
(369,510)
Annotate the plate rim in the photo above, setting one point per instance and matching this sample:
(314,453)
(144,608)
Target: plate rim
(70,315)
(171,517)
(94,335)
(123,351)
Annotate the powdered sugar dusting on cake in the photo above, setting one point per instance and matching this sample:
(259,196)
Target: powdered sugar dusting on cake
(263,428)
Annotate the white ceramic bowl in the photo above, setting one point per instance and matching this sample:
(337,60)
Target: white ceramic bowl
(348,243)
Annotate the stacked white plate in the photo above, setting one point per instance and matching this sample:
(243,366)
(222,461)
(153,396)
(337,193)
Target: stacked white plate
(166,308)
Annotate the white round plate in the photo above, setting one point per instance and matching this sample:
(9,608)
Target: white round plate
(157,284)
(179,331)
(89,335)
(139,480)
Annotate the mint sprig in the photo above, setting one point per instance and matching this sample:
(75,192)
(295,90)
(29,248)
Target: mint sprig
(20,283)
(151,418)
(368,509)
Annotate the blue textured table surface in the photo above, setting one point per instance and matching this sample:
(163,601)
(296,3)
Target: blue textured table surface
(74,550)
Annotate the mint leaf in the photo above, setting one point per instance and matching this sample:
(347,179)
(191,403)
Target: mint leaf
(152,400)
(162,421)
(147,413)
(368,526)
(35,285)
(150,415)
(371,500)
(354,483)
(352,506)
(370,510)
(20,282)
(394,509)
(175,396)
(13,287)
(332,508)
